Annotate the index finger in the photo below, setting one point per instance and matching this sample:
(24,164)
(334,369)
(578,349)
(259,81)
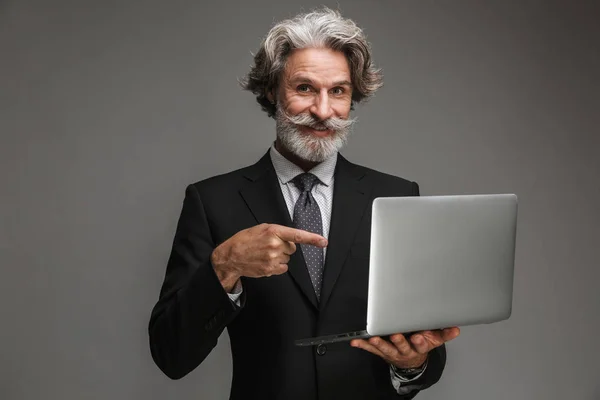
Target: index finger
(299,236)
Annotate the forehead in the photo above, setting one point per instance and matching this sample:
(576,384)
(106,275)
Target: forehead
(324,66)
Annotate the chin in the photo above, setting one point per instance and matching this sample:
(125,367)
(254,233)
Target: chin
(314,149)
(310,145)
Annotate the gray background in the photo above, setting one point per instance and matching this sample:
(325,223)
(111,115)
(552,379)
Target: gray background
(108,109)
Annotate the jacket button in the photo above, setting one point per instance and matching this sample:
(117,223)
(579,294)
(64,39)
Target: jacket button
(321,349)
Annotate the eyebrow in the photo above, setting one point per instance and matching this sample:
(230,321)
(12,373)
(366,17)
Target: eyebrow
(303,79)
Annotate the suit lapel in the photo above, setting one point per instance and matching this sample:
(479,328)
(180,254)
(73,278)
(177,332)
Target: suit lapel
(350,200)
(265,200)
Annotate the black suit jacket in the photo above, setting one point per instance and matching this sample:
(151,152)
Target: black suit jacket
(193,309)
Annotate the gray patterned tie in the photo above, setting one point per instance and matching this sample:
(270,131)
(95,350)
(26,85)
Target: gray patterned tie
(307,216)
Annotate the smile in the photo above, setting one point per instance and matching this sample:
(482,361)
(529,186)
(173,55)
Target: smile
(321,131)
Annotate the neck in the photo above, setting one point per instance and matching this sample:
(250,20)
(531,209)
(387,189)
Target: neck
(304,164)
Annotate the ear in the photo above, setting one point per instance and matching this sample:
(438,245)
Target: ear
(271,95)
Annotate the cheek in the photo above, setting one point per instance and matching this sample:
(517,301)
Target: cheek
(295,106)
(342,110)
(341,106)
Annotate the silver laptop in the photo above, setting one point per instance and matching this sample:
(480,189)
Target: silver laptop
(437,262)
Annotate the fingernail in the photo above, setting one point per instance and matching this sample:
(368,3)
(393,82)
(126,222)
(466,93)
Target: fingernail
(323,242)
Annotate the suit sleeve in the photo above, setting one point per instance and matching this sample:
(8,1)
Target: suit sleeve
(193,309)
(416,190)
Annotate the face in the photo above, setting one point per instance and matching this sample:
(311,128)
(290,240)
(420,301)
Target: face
(313,103)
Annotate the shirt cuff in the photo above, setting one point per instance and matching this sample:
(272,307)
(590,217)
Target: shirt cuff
(236,292)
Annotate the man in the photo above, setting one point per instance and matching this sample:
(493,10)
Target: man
(278,251)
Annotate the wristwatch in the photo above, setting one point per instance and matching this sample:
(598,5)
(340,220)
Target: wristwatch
(410,372)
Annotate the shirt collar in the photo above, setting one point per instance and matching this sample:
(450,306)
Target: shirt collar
(287,170)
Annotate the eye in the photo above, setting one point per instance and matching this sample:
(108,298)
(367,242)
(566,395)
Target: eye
(303,88)
(337,90)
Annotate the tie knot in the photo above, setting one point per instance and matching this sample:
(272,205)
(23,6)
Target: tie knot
(305,181)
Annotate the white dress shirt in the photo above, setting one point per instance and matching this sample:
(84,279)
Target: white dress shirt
(322,191)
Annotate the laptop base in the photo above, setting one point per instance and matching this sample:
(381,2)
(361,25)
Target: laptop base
(342,337)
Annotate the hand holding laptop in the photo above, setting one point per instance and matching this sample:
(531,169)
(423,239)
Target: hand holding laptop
(403,352)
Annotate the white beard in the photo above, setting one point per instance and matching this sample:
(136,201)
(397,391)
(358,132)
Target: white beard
(306,146)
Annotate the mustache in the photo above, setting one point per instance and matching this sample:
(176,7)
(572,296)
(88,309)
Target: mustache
(332,123)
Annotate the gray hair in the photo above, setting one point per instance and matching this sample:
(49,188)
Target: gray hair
(322,28)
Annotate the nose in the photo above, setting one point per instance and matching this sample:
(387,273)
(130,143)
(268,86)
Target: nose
(321,107)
